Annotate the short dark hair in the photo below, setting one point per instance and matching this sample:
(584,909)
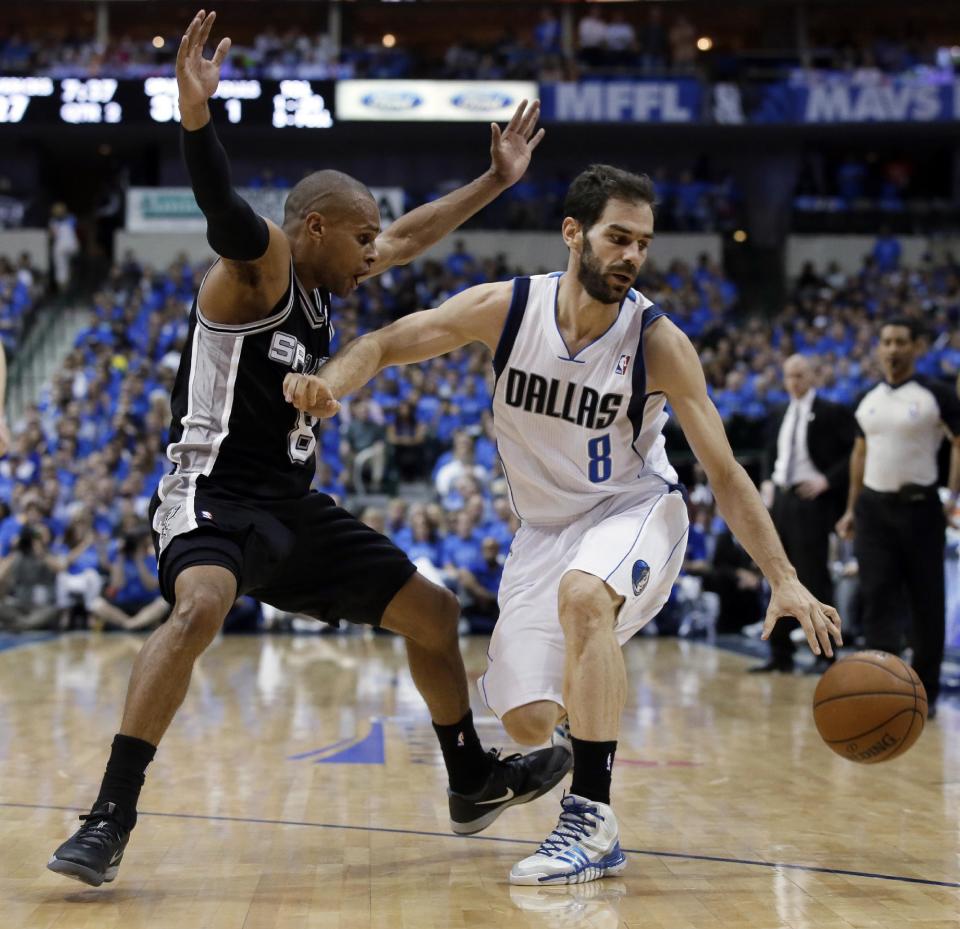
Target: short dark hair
(591,189)
(907,322)
(321,190)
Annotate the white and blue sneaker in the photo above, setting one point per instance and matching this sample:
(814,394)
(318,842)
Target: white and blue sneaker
(585,846)
(561,735)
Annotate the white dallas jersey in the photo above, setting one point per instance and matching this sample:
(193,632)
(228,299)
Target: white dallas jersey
(574,431)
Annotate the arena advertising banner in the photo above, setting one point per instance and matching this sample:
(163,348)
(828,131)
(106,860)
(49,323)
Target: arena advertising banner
(678,101)
(810,98)
(45,101)
(819,98)
(174,209)
(431,101)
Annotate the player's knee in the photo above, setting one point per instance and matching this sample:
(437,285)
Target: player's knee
(197,617)
(436,626)
(584,604)
(447,616)
(531,724)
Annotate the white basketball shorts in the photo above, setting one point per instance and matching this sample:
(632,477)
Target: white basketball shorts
(635,544)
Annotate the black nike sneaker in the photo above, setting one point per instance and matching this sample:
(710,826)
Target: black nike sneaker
(94,852)
(512,780)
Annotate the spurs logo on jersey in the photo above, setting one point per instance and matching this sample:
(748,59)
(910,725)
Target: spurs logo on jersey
(232,428)
(574,430)
(288,350)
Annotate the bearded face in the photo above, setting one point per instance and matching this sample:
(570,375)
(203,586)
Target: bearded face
(605,284)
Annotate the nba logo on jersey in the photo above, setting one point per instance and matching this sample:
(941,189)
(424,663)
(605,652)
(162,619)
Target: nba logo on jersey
(621,367)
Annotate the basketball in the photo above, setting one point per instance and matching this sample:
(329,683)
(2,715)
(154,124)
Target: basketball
(870,707)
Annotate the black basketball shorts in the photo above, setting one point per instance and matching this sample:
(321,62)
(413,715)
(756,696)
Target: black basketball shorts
(306,556)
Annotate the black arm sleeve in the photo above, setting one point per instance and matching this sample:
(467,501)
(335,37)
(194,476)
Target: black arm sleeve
(234,230)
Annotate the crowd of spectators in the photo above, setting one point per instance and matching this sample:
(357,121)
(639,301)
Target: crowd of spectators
(414,452)
(20,288)
(619,42)
(627,39)
(688,200)
(831,316)
(854,178)
(694,199)
(292,54)
(535,53)
(907,49)
(859,191)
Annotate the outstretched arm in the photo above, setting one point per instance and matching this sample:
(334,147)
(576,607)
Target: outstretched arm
(474,315)
(414,232)
(256,254)
(234,230)
(674,369)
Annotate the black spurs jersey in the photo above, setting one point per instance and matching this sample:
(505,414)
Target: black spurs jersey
(232,429)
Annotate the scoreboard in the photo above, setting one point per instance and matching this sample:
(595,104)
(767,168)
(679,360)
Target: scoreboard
(74,101)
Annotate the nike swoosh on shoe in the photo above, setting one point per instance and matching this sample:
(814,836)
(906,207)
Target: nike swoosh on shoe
(507,796)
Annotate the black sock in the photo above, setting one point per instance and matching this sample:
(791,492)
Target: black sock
(467,763)
(125,775)
(592,769)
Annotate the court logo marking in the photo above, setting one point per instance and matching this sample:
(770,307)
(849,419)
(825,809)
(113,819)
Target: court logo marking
(365,749)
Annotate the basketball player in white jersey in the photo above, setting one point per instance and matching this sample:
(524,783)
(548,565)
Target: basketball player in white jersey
(585,366)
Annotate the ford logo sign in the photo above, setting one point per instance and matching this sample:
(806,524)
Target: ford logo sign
(482,100)
(395,100)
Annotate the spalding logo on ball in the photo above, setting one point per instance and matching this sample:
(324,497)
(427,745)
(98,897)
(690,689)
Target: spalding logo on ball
(870,707)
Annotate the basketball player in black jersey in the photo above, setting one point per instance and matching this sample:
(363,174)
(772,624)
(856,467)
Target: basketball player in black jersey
(235,514)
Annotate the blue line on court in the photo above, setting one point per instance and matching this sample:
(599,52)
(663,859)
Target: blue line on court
(776,865)
(8,641)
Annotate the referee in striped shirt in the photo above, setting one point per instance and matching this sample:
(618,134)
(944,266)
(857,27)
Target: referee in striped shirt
(894,512)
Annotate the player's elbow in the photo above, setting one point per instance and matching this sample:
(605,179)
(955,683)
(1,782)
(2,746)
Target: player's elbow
(237,233)
(725,476)
(403,251)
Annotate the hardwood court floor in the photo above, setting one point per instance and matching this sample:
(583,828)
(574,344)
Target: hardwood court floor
(301,786)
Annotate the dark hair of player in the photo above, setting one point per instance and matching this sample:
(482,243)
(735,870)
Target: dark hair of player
(591,189)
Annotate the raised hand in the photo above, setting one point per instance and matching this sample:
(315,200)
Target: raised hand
(511,149)
(198,77)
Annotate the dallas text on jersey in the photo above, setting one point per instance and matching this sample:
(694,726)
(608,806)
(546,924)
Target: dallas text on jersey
(536,394)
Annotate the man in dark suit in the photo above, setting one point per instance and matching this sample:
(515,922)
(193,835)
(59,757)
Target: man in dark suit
(811,447)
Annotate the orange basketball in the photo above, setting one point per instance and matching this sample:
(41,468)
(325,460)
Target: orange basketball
(870,707)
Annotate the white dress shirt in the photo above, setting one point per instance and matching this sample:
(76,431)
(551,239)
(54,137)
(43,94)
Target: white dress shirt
(794,426)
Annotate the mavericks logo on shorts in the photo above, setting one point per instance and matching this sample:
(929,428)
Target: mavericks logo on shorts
(641,574)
